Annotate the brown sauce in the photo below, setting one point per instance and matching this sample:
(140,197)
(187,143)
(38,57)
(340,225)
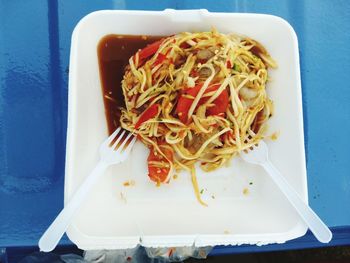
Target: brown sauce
(114,52)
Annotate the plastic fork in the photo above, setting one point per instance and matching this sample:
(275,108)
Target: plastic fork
(109,154)
(259,155)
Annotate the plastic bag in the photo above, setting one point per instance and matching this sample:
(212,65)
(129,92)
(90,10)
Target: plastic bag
(141,255)
(42,257)
(135,255)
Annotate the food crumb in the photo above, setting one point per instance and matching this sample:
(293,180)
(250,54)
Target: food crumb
(129,183)
(250,183)
(175,176)
(245,191)
(226,232)
(213,196)
(274,136)
(202,191)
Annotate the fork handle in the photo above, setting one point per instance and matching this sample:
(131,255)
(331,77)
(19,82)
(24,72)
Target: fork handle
(53,234)
(317,227)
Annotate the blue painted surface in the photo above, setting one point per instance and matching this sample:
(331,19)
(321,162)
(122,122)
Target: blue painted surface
(341,237)
(34,57)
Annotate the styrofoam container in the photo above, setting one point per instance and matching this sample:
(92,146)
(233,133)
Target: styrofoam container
(115,216)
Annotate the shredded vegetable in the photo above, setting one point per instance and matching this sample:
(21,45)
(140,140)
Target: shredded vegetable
(197,97)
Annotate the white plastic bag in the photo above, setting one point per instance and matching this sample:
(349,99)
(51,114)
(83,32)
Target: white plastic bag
(141,255)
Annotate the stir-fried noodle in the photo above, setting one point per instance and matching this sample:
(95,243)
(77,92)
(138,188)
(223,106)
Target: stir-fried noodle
(197,97)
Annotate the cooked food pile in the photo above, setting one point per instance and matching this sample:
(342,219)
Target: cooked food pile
(196,97)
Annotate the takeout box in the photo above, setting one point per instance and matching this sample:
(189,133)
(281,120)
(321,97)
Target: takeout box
(244,205)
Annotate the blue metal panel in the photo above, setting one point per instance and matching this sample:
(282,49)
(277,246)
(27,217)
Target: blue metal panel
(34,56)
(32,126)
(341,236)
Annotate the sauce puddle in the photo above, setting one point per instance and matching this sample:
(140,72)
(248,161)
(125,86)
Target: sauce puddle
(114,52)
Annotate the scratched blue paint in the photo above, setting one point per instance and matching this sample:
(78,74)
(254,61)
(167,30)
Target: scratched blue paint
(34,57)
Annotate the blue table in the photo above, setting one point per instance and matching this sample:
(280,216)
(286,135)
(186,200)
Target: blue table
(34,58)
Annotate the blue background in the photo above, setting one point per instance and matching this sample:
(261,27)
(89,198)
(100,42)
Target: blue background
(34,58)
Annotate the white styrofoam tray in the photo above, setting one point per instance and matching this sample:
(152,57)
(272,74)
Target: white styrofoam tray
(115,216)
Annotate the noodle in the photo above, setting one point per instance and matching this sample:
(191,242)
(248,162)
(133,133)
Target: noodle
(197,97)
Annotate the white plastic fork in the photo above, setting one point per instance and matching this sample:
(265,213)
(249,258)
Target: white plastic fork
(109,154)
(259,155)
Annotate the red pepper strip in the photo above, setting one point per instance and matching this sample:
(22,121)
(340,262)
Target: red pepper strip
(226,135)
(149,113)
(160,58)
(228,64)
(149,50)
(221,104)
(194,73)
(184,45)
(184,103)
(159,174)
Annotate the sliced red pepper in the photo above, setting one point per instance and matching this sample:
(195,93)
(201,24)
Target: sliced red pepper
(221,104)
(228,64)
(160,58)
(184,45)
(184,103)
(150,49)
(159,174)
(182,108)
(226,135)
(194,73)
(149,113)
